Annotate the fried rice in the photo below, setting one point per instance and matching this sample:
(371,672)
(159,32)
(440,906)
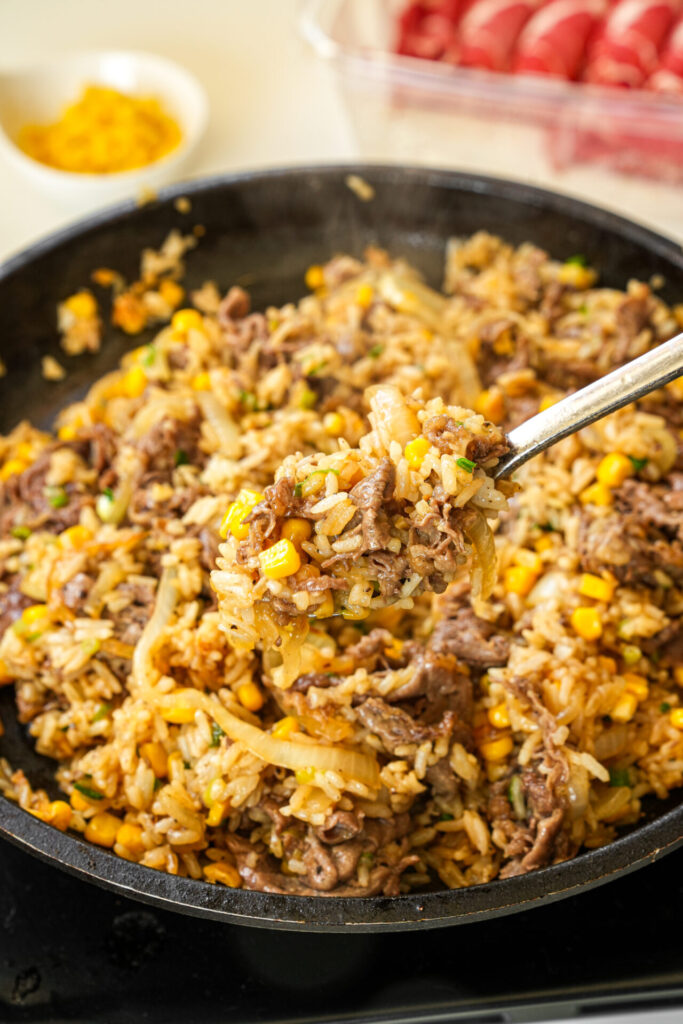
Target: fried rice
(448,734)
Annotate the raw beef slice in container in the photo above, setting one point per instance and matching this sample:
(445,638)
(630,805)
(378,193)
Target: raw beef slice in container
(626,50)
(554,39)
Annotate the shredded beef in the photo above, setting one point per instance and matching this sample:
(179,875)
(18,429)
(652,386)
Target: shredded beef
(396,727)
(339,827)
(234,306)
(369,496)
(160,448)
(75,592)
(131,620)
(444,433)
(308,679)
(465,635)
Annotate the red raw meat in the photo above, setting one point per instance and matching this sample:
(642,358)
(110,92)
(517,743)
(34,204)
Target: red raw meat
(428,30)
(489,31)
(668,77)
(626,50)
(554,39)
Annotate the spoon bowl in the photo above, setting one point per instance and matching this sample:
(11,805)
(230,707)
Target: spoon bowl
(38,94)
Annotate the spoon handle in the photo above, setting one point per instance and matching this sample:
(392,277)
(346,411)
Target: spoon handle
(621,387)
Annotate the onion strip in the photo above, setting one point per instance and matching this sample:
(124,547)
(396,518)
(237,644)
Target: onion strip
(480,536)
(166,600)
(224,427)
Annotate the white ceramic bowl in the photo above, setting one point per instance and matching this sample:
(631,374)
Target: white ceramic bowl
(36,95)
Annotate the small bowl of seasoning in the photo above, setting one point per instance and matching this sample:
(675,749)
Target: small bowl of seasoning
(97,126)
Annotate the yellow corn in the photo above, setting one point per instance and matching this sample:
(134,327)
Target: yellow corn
(587,622)
(82,305)
(280,560)
(130,836)
(102,829)
(57,813)
(678,674)
(608,664)
(625,708)
(314,277)
(504,345)
(326,608)
(529,559)
(5,677)
(364,295)
(171,292)
(596,587)
(499,716)
(133,382)
(79,802)
(250,697)
(637,685)
(156,757)
(104,276)
(187,320)
(676,718)
(285,727)
(304,776)
(491,405)
(547,401)
(355,614)
(222,871)
(75,536)
(333,422)
(518,579)
(239,510)
(415,451)
(296,530)
(217,811)
(576,276)
(25,451)
(67,432)
(34,613)
(596,494)
(496,750)
(129,313)
(543,544)
(202,382)
(12,468)
(614,469)
(395,648)
(179,714)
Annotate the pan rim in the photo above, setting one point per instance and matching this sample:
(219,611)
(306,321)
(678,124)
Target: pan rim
(592,868)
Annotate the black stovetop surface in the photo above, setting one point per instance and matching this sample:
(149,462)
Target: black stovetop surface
(72,952)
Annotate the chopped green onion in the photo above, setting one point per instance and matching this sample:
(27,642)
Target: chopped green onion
(249,400)
(180,458)
(367,857)
(638,464)
(150,355)
(376,351)
(311,372)
(446,817)
(546,527)
(664,707)
(158,783)
(579,260)
(466,464)
(516,797)
(186,765)
(104,505)
(90,647)
(57,497)
(583,309)
(92,794)
(316,472)
(102,712)
(216,734)
(308,399)
(21,532)
(631,654)
(109,493)
(619,777)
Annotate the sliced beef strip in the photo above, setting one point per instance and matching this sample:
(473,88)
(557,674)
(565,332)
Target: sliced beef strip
(470,638)
(131,620)
(339,827)
(370,496)
(75,592)
(25,499)
(160,447)
(396,727)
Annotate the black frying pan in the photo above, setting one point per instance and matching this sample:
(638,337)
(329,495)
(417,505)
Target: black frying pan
(263,230)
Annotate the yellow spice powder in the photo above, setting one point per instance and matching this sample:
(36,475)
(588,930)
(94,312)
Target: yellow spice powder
(103,132)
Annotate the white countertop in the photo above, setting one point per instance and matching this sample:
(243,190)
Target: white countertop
(274,102)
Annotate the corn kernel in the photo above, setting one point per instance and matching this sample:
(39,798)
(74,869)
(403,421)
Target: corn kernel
(504,345)
(365,295)
(518,579)
(171,292)
(499,716)
(607,664)
(134,382)
(529,559)
(129,313)
(217,812)
(34,613)
(79,802)
(631,654)
(333,422)
(415,451)
(179,714)
(202,382)
(543,544)
(285,727)
(238,511)
(678,674)
(496,750)
(155,755)
(614,469)
(250,697)
(75,536)
(576,276)
(296,530)
(130,836)
(491,405)
(637,685)
(309,571)
(304,776)
(187,320)
(587,622)
(280,560)
(222,871)
(625,708)
(676,718)
(102,829)
(596,587)
(82,305)
(314,277)
(547,401)
(326,608)
(596,494)
(57,813)
(5,677)
(12,468)
(355,614)
(67,432)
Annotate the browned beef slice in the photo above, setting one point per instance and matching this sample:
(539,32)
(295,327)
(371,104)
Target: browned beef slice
(234,306)
(467,636)
(369,496)
(445,433)
(437,674)
(131,620)
(75,592)
(26,500)
(339,827)
(396,727)
(318,679)
(481,449)
(166,442)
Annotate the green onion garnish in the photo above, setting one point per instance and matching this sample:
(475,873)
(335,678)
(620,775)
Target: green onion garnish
(57,497)
(376,351)
(619,777)
(92,794)
(664,707)
(102,712)
(316,472)
(21,532)
(216,734)
(180,458)
(308,399)
(150,355)
(108,492)
(446,817)
(638,464)
(579,260)
(466,464)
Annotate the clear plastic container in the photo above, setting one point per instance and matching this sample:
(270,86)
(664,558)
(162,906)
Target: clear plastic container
(634,132)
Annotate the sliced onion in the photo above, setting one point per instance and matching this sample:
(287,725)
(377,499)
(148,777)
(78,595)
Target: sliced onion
(390,416)
(481,538)
(224,427)
(166,600)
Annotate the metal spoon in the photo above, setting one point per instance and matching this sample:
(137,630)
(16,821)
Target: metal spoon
(617,389)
